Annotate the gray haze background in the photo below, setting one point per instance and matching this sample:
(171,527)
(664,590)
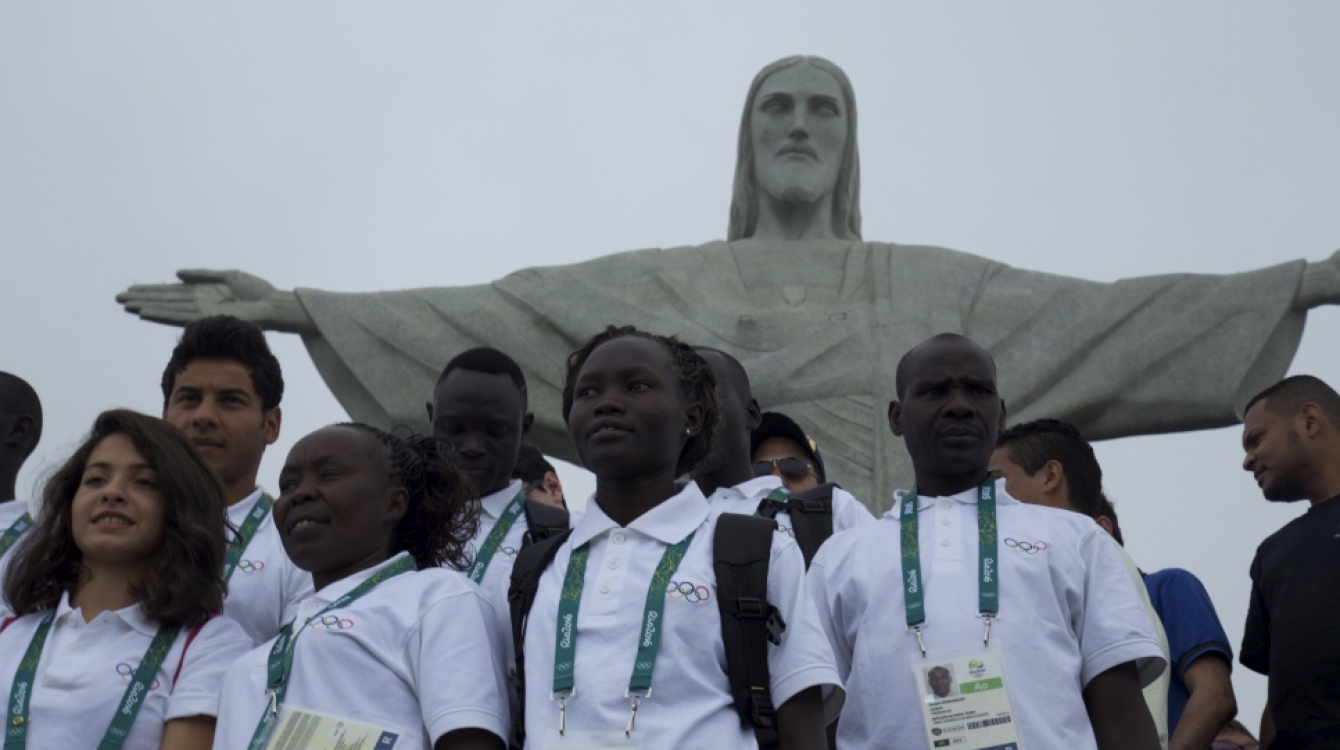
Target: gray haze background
(363,147)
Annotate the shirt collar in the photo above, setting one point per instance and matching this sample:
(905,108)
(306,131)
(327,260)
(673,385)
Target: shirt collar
(496,503)
(675,518)
(966,497)
(752,488)
(133,616)
(343,586)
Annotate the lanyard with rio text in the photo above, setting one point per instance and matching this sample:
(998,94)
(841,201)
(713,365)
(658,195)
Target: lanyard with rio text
(13,533)
(649,642)
(496,535)
(21,694)
(245,534)
(988,583)
(280,663)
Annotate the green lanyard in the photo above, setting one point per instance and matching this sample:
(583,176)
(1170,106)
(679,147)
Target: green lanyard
(13,533)
(21,694)
(778,498)
(496,536)
(245,535)
(280,663)
(988,583)
(565,647)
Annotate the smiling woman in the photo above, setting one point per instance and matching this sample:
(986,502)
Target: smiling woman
(391,645)
(127,554)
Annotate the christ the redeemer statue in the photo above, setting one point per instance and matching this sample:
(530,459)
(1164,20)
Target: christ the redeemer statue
(818,315)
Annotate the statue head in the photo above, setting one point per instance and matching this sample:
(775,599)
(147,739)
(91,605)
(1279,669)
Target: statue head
(845,190)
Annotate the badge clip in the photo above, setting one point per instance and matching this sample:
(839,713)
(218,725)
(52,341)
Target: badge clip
(635,701)
(273,693)
(562,709)
(986,634)
(920,643)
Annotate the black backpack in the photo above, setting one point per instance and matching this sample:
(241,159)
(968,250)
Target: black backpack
(544,521)
(811,517)
(741,551)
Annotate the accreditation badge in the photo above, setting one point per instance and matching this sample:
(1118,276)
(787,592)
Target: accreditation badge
(964,701)
(574,740)
(300,729)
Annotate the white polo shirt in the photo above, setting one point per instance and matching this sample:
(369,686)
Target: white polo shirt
(266,587)
(691,704)
(492,508)
(9,513)
(86,666)
(420,655)
(848,512)
(1068,612)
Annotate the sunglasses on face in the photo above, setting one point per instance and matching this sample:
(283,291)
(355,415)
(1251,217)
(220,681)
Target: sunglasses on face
(790,468)
(1226,745)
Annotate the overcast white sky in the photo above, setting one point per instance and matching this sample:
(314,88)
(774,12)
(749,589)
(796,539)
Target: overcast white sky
(382,146)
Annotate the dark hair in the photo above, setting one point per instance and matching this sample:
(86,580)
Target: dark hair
(1033,444)
(489,361)
(1237,726)
(900,373)
(226,337)
(1288,396)
(1106,508)
(18,399)
(184,584)
(846,220)
(696,381)
(443,511)
(531,465)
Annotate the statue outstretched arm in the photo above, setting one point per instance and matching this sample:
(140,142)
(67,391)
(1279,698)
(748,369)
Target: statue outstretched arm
(1320,285)
(202,293)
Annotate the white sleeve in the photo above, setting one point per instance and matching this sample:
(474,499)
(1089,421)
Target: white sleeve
(804,659)
(1113,624)
(829,611)
(195,692)
(458,662)
(848,512)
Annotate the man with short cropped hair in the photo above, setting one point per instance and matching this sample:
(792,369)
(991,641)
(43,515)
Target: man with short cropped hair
(20,431)
(222,387)
(1048,462)
(1032,609)
(1291,437)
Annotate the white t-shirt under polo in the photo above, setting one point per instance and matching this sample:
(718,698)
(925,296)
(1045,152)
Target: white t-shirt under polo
(691,704)
(86,666)
(1069,611)
(266,587)
(848,512)
(9,513)
(420,655)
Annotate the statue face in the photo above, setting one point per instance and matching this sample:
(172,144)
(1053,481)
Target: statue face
(799,129)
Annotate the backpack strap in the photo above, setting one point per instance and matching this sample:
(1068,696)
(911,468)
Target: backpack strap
(544,521)
(190,636)
(531,562)
(812,518)
(741,552)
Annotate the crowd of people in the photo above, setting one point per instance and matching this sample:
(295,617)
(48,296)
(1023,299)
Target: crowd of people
(720,590)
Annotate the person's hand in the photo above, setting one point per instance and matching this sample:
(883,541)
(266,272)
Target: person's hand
(202,293)
(1321,284)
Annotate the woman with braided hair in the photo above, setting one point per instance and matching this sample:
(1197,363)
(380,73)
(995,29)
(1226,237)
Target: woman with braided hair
(392,650)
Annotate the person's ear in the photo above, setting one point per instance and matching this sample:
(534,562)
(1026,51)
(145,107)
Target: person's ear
(896,418)
(693,418)
(1308,422)
(1053,476)
(397,505)
(754,416)
(270,423)
(552,485)
(20,431)
(526,422)
(1106,523)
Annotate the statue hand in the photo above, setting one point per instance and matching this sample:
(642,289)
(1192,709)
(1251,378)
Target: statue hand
(1321,284)
(203,293)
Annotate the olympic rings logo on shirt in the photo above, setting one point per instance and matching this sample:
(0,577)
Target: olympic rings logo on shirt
(688,591)
(331,623)
(786,530)
(1029,548)
(126,671)
(251,566)
(508,552)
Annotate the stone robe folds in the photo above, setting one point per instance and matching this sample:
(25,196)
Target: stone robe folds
(821,332)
